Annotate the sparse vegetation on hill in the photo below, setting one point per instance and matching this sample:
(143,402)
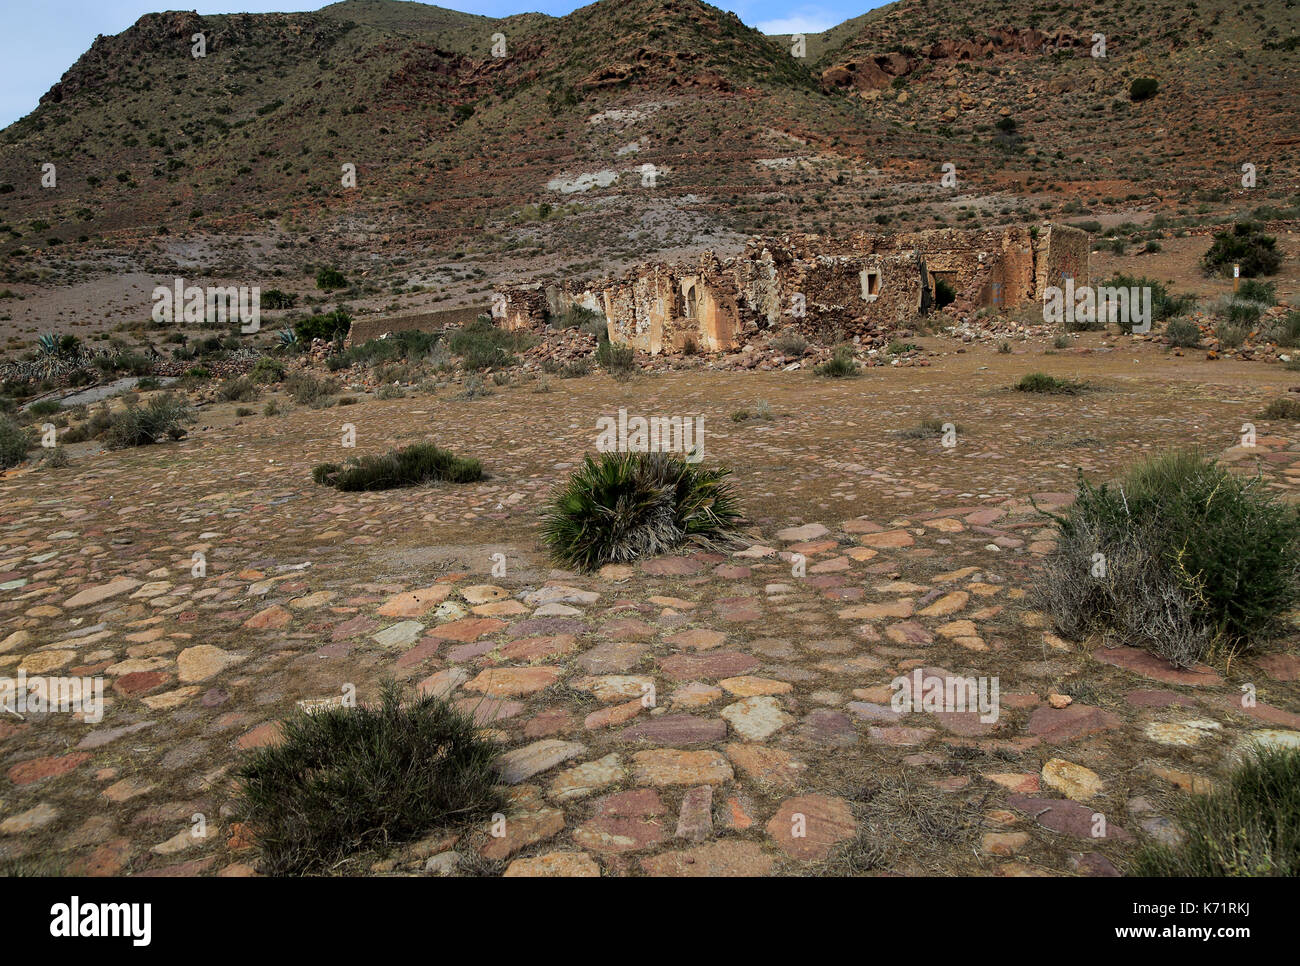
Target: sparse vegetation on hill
(1246,245)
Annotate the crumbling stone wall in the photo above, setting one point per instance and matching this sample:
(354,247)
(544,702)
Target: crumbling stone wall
(862,286)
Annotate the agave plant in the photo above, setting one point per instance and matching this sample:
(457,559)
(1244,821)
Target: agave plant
(48,344)
(288,337)
(626,506)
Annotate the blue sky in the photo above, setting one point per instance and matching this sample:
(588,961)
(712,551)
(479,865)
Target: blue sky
(40,39)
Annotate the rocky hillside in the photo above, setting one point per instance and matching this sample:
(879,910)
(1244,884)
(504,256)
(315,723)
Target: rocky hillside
(545,149)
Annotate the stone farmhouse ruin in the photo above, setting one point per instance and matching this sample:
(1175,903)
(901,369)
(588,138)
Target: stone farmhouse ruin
(864,286)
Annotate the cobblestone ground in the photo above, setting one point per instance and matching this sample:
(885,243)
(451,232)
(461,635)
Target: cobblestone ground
(769,746)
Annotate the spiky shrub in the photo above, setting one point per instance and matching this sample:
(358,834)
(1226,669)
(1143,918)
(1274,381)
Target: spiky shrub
(352,780)
(1181,557)
(1286,330)
(408,466)
(1282,409)
(618,507)
(14,441)
(481,345)
(1249,826)
(163,417)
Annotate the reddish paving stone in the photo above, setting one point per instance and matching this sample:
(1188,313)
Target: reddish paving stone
(356,627)
(807,827)
(523,829)
(716,664)
(1064,724)
(1157,668)
(614,714)
(1068,817)
(107,860)
(695,818)
(699,640)
(1094,865)
(263,735)
(183,870)
(467,629)
(627,627)
(738,610)
(966,723)
(827,729)
(418,654)
(139,682)
(612,658)
(900,737)
(672,567)
(27,772)
(552,721)
(536,648)
(272,618)
(514,681)
(485,710)
(544,627)
(766,765)
(624,822)
(1158,699)
(1280,667)
(676,729)
(1260,711)
(730,859)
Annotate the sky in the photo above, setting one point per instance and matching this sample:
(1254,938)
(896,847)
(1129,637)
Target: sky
(40,39)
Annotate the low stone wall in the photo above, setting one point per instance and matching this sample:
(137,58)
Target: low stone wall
(372,327)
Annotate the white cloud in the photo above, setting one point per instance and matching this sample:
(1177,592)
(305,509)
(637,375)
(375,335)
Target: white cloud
(808,21)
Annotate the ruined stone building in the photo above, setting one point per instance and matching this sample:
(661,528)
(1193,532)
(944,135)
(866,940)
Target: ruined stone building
(831,289)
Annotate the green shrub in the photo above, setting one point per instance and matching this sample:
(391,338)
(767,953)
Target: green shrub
(330,279)
(1142,89)
(790,343)
(1042,382)
(1253,290)
(399,346)
(323,325)
(1243,244)
(14,443)
(1183,333)
(163,416)
(626,506)
(617,360)
(306,390)
(267,370)
(481,345)
(841,365)
(242,389)
(275,299)
(1197,560)
(1286,330)
(408,466)
(1164,304)
(1286,408)
(1248,826)
(45,407)
(1231,334)
(345,781)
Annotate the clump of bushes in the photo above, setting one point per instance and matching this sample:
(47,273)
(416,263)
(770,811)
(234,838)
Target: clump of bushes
(1248,826)
(618,360)
(481,345)
(928,428)
(618,507)
(330,279)
(790,343)
(322,325)
(14,443)
(1143,89)
(840,365)
(399,346)
(1246,245)
(1183,333)
(1042,382)
(164,416)
(243,389)
(307,390)
(1181,557)
(346,781)
(267,370)
(408,466)
(1282,409)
